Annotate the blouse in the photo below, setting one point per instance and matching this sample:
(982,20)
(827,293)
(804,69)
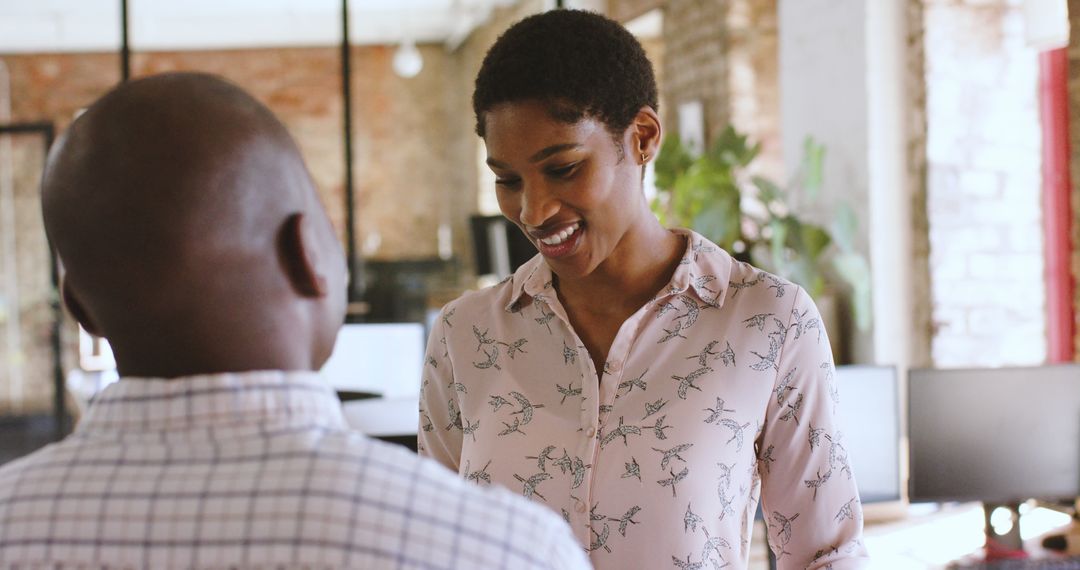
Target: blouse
(717,392)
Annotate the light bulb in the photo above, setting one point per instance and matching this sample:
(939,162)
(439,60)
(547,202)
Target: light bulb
(407,60)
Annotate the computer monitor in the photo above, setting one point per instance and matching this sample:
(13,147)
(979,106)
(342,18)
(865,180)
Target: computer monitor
(377,358)
(996,435)
(499,245)
(869,419)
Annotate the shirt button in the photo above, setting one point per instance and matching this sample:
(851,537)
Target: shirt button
(580,507)
(614,367)
(591,432)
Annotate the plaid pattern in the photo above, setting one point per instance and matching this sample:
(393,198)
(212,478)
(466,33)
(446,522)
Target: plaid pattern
(254,470)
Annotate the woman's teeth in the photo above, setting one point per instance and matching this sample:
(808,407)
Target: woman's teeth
(561,236)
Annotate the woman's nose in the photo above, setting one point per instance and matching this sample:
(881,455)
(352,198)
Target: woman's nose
(537,206)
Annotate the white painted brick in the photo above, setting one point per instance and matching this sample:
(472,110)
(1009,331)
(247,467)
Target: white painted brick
(950,321)
(961,293)
(1023,268)
(1004,157)
(953,351)
(1024,300)
(1024,350)
(984,165)
(957,242)
(948,268)
(1012,212)
(1024,239)
(1016,126)
(980,183)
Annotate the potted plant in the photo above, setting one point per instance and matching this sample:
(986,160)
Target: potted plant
(758,221)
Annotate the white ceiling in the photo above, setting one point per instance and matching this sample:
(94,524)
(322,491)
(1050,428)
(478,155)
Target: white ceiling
(94,25)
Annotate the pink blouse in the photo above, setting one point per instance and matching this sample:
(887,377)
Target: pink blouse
(717,392)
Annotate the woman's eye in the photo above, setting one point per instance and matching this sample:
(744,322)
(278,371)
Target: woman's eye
(507,182)
(564,171)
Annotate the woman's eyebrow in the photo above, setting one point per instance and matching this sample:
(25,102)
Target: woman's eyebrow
(541,155)
(553,149)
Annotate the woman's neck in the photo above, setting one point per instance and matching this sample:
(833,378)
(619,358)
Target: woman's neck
(641,264)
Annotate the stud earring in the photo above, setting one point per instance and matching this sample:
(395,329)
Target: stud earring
(644,158)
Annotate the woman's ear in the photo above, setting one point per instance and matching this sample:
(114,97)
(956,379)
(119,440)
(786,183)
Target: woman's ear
(75,307)
(301,258)
(645,134)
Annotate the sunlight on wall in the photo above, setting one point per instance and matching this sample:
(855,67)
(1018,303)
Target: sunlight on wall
(984,154)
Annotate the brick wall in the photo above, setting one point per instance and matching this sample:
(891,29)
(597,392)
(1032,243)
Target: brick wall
(407,171)
(724,54)
(26,352)
(984,185)
(1074,140)
(53,88)
(300,85)
(922,329)
(695,62)
(398,129)
(625,10)
(753,77)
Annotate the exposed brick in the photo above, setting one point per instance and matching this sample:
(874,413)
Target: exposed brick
(400,150)
(1074,141)
(695,66)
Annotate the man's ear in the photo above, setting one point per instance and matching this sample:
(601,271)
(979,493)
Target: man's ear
(300,257)
(645,133)
(75,307)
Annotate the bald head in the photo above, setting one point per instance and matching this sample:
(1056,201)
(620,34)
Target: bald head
(181,208)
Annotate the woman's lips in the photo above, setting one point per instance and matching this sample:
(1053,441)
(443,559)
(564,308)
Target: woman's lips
(561,242)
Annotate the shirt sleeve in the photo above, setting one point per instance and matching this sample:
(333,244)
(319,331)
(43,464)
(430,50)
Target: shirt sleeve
(809,498)
(439,436)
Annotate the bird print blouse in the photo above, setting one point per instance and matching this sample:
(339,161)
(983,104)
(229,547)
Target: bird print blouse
(716,393)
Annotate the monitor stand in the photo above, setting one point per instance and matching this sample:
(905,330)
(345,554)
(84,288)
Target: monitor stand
(1008,544)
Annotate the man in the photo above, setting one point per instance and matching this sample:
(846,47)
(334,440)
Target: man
(194,242)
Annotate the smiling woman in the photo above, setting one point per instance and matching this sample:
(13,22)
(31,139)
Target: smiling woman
(634,378)
(574,192)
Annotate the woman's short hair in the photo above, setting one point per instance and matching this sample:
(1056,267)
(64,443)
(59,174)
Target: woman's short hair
(580,63)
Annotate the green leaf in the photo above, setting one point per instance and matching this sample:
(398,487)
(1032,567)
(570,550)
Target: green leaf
(659,209)
(813,167)
(854,269)
(768,191)
(732,150)
(777,244)
(844,228)
(813,239)
(806,274)
(672,162)
(719,220)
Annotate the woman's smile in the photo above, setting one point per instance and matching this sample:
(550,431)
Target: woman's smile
(559,242)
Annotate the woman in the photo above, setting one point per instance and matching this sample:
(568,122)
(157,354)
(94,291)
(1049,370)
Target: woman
(637,380)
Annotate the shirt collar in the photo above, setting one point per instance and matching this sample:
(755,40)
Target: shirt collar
(230,400)
(705,270)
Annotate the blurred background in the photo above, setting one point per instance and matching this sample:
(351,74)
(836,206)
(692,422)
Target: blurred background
(907,161)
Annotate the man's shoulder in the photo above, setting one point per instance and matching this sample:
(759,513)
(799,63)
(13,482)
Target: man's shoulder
(437,499)
(444,488)
(53,456)
(373,493)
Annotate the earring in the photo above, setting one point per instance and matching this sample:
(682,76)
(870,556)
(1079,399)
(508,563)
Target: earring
(644,158)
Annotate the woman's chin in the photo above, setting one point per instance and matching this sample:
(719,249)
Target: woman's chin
(571,268)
